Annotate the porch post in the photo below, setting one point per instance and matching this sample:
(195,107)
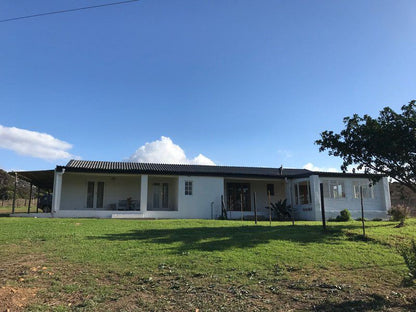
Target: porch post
(30,197)
(14,192)
(57,188)
(386,194)
(143,192)
(315,196)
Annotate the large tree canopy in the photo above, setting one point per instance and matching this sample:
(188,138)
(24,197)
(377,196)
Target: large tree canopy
(386,145)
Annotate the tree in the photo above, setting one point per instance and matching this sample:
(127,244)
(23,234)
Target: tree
(386,145)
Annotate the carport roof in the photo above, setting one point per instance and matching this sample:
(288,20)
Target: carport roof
(40,178)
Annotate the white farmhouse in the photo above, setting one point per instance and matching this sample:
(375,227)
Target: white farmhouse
(102,189)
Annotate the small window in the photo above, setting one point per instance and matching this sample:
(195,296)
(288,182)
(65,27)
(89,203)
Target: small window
(270,189)
(188,187)
(368,190)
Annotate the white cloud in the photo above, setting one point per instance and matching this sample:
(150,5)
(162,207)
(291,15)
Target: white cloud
(35,144)
(167,152)
(285,154)
(312,167)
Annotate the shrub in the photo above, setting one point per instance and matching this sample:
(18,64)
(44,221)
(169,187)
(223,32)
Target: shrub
(280,210)
(344,215)
(399,213)
(408,252)
(360,219)
(377,219)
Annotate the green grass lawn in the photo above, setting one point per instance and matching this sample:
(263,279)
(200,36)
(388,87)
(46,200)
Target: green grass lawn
(184,265)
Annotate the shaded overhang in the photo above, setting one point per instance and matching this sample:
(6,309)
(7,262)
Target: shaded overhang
(43,179)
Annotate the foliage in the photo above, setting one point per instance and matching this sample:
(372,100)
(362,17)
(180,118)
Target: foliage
(399,213)
(7,187)
(385,145)
(343,216)
(408,252)
(281,211)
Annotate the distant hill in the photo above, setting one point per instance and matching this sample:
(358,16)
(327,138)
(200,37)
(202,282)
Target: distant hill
(7,186)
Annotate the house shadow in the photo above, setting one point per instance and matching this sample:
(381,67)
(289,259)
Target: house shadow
(227,237)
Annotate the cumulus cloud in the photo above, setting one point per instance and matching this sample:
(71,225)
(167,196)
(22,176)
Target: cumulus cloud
(312,167)
(167,152)
(34,144)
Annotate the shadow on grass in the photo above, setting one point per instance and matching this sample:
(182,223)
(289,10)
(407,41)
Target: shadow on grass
(374,303)
(227,237)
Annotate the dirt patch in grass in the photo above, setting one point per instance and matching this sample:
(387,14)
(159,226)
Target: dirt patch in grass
(34,284)
(16,298)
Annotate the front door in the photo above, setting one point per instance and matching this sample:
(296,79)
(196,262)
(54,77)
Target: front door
(238,196)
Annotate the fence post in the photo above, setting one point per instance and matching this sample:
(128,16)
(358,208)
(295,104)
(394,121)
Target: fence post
(14,193)
(362,209)
(241,205)
(270,208)
(255,208)
(321,189)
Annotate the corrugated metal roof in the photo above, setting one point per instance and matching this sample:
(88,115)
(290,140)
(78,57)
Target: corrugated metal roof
(179,169)
(41,178)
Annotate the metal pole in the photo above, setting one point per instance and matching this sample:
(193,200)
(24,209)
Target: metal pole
(241,205)
(321,188)
(270,208)
(362,209)
(255,208)
(14,192)
(30,198)
(37,199)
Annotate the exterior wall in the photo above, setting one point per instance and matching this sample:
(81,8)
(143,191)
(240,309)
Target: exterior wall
(116,187)
(373,207)
(205,191)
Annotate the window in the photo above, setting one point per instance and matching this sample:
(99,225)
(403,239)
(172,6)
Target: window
(188,187)
(100,195)
(160,196)
(302,193)
(368,190)
(334,189)
(238,196)
(270,189)
(90,195)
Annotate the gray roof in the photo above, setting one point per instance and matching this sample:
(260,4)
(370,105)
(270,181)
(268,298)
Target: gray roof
(179,169)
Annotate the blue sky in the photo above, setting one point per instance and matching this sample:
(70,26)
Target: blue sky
(249,83)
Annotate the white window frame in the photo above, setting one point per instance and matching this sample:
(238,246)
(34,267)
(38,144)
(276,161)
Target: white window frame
(189,188)
(368,191)
(334,189)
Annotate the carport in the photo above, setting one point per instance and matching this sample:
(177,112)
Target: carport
(42,179)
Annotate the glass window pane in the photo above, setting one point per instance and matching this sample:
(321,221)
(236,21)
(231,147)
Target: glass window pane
(100,195)
(90,195)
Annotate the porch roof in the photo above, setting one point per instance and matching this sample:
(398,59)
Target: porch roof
(180,169)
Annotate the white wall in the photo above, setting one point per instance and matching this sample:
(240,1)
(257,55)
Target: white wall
(373,207)
(116,187)
(205,190)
